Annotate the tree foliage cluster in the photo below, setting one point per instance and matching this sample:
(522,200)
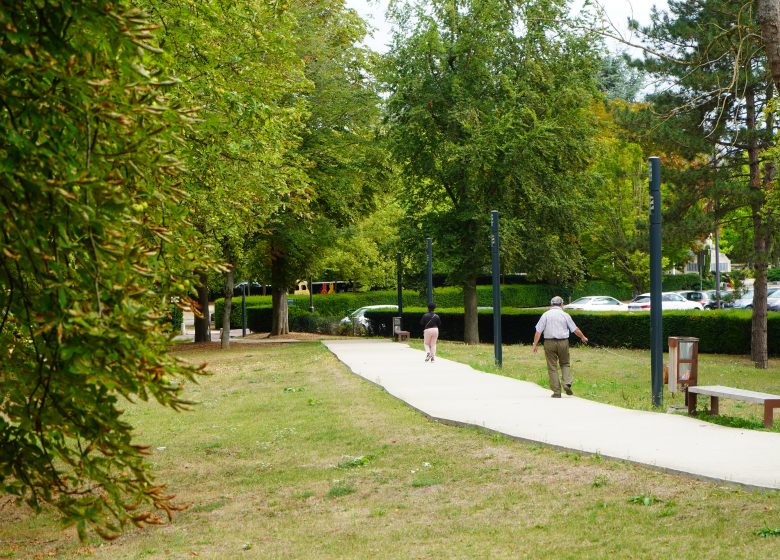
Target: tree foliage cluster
(716,121)
(95,243)
(488,109)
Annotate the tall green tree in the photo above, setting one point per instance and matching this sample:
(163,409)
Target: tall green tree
(365,253)
(719,116)
(343,163)
(488,109)
(237,62)
(95,243)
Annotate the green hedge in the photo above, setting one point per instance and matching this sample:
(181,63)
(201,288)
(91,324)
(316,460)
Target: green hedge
(688,281)
(175,319)
(719,331)
(773,274)
(336,306)
(601,288)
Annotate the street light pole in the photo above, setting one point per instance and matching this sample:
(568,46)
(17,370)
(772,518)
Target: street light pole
(496,291)
(243,310)
(656,287)
(430,270)
(311,297)
(400,288)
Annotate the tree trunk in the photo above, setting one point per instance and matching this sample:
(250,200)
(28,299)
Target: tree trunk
(470,321)
(280,322)
(768,13)
(202,323)
(225,338)
(758,332)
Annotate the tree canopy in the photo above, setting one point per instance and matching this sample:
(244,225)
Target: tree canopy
(95,242)
(718,116)
(488,110)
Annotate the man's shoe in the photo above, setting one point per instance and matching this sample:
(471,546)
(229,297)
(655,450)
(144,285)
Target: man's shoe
(432,359)
(427,356)
(556,395)
(568,390)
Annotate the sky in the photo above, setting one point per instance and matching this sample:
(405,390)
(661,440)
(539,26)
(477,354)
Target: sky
(618,11)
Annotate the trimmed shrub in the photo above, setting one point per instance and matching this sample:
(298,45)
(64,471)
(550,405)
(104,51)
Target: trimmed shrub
(601,288)
(336,306)
(687,281)
(175,319)
(773,274)
(718,331)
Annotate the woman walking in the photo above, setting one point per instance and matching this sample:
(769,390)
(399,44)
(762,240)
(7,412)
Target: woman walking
(430,323)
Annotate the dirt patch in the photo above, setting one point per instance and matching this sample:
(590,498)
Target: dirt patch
(266,337)
(256,338)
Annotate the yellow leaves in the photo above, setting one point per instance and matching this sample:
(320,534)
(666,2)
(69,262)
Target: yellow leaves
(99,83)
(11,255)
(66,194)
(141,269)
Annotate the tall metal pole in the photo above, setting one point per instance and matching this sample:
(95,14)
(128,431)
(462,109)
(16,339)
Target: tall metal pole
(243,310)
(311,297)
(496,290)
(717,255)
(399,280)
(430,270)
(656,310)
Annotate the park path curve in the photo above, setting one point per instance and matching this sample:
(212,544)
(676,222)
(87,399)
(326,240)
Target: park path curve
(456,393)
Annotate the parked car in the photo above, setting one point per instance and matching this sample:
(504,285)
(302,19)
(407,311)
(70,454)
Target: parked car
(746,301)
(669,301)
(773,302)
(358,317)
(252,289)
(707,298)
(597,303)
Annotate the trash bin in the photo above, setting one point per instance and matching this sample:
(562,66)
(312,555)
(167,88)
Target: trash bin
(683,362)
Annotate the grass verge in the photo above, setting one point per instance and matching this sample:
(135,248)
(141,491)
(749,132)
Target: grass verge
(289,455)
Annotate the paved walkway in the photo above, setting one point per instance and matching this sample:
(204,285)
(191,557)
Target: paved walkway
(456,393)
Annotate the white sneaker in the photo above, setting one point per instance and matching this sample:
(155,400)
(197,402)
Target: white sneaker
(428,356)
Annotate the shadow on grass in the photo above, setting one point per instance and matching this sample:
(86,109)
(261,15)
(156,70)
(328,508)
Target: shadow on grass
(731,421)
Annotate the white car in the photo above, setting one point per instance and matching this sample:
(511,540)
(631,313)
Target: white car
(669,300)
(597,303)
(359,315)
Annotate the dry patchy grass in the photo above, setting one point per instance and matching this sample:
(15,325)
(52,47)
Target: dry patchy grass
(289,455)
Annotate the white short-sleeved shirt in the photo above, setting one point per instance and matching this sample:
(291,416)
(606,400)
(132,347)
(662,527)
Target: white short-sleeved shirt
(555,323)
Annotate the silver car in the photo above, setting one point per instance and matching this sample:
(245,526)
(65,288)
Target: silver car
(746,301)
(358,317)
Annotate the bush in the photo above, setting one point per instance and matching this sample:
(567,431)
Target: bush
(718,331)
(176,318)
(602,288)
(688,281)
(337,306)
(773,274)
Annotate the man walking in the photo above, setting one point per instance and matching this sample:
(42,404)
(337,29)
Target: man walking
(556,325)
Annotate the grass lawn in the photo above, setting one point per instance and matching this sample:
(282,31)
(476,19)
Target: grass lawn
(289,455)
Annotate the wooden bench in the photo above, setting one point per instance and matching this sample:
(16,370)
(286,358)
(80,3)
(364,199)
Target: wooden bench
(717,392)
(401,336)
